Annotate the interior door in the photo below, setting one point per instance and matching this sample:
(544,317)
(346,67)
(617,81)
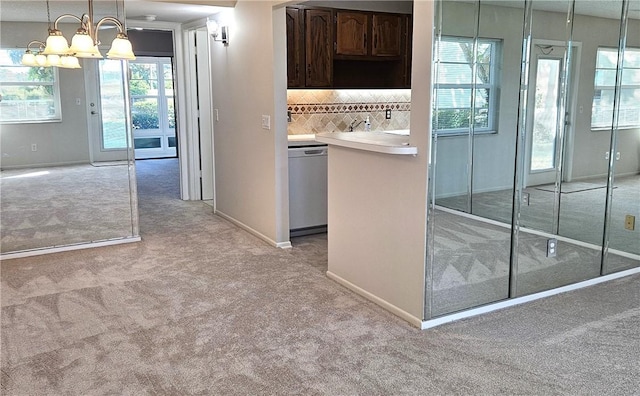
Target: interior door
(546,121)
(205,121)
(108,121)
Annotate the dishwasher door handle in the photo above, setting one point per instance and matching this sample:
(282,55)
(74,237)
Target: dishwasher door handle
(313,152)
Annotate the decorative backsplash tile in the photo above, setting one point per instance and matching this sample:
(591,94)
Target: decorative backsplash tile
(321,110)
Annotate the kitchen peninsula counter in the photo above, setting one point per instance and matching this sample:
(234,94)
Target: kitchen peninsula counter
(377,216)
(388,142)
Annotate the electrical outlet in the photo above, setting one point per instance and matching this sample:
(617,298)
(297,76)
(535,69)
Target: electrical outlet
(387,114)
(34,147)
(289,116)
(618,156)
(552,247)
(630,222)
(606,155)
(525,199)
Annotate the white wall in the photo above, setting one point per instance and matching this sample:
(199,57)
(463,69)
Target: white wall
(58,143)
(378,204)
(249,80)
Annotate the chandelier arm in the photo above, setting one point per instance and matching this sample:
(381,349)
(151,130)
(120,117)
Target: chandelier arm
(55,24)
(116,22)
(40,44)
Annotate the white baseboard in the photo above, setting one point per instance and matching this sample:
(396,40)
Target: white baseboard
(281,245)
(372,297)
(427,324)
(44,165)
(68,248)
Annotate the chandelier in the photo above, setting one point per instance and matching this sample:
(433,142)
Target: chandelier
(84,44)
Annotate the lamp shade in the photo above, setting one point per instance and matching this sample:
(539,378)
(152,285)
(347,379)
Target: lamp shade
(121,48)
(56,44)
(29,59)
(53,60)
(82,46)
(41,60)
(69,62)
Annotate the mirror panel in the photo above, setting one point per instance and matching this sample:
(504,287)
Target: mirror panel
(539,199)
(61,183)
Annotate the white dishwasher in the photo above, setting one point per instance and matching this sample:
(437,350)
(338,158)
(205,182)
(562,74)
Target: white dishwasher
(307,190)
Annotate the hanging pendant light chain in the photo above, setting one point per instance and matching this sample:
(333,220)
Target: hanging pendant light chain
(48,15)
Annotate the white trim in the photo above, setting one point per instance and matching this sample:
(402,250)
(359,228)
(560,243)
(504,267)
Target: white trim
(181,105)
(372,297)
(45,165)
(68,248)
(427,324)
(282,245)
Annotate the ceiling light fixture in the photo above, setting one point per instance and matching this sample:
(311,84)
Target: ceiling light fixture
(84,43)
(37,58)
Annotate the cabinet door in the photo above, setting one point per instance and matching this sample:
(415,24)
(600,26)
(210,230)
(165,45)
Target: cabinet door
(295,61)
(318,48)
(351,33)
(387,35)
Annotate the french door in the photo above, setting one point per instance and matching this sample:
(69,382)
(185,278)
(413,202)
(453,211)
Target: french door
(547,115)
(153,107)
(107,108)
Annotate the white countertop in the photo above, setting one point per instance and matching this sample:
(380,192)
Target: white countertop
(303,140)
(387,142)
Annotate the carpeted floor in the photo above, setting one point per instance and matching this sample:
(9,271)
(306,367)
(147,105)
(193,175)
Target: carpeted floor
(64,205)
(202,307)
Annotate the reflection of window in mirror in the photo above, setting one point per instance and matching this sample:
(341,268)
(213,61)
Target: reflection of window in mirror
(455,83)
(29,93)
(604,89)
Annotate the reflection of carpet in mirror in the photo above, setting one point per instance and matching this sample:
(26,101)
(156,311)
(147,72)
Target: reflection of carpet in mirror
(581,212)
(47,207)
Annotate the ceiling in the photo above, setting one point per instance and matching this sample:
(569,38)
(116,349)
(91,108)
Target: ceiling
(179,11)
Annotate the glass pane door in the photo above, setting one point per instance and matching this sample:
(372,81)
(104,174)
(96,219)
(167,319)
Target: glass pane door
(152,107)
(544,124)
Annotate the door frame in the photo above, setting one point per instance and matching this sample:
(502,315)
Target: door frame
(189,180)
(569,134)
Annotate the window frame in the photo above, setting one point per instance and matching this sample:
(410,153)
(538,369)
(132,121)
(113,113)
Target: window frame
(57,116)
(492,86)
(611,88)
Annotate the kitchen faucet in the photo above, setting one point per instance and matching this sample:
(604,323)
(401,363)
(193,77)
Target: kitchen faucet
(354,124)
(367,124)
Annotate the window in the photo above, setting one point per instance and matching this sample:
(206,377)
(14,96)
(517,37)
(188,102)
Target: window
(604,89)
(455,84)
(28,94)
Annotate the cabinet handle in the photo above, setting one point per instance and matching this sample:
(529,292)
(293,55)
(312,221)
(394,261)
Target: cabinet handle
(309,69)
(375,41)
(297,70)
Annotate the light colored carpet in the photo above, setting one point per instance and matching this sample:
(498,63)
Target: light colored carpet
(200,307)
(581,211)
(63,205)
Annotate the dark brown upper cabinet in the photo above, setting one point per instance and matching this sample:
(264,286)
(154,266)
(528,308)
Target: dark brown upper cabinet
(351,33)
(295,47)
(387,35)
(360,33)
(335,48)
(318,29)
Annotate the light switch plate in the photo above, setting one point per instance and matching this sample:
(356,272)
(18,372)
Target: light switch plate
(266,122)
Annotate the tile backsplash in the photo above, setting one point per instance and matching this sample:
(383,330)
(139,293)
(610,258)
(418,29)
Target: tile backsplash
(324,110)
